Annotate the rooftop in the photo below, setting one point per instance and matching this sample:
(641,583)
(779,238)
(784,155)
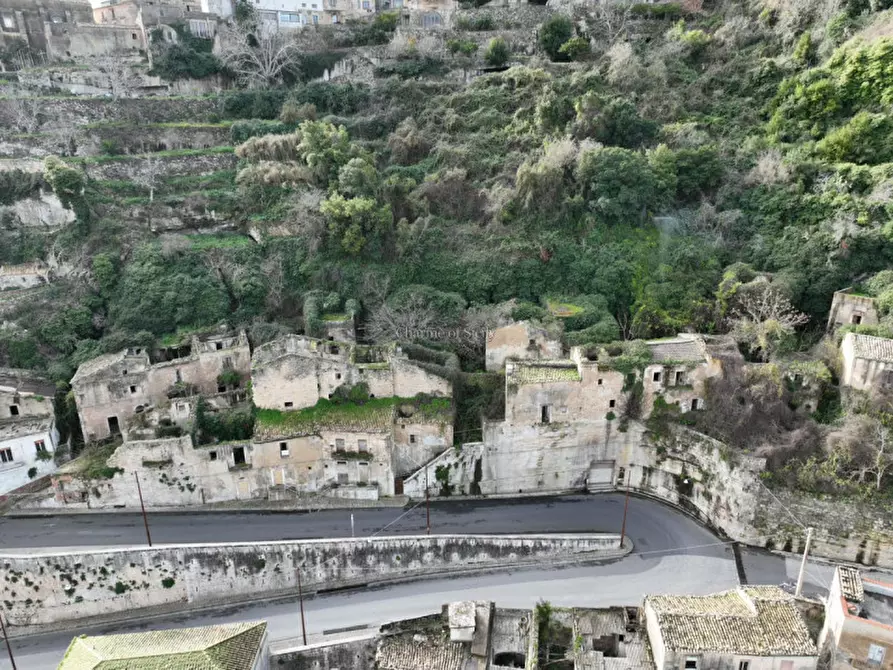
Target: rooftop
(225,647)
(754,620)
(683,348)
(23,381)
(20,427)
(850,584)
(544,372)
(872,348)
(98,364)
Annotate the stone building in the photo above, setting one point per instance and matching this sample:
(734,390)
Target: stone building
(38,23)
(144,16)
(680,367)
(294,14)
(236,646)
(866,362)
(858,621)
(114,391)
(749,628)
(28,435)
(294,372)
(521,341)
(27,275)
(851,308)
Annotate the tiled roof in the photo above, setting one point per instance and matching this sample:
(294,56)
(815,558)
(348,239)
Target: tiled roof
(94,365)
(420,652)
(851,584)
(544,372)
(684,348)
(755,620)
(872,348)
(226,647)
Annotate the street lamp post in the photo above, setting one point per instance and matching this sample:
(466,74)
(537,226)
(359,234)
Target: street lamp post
(139,491)
(8,645)
(301,599)
(625,508)
(427,502)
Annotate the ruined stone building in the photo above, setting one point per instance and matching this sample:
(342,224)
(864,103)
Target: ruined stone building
(851,308)
(858,621)
(522,341)
(145,15)
(866,362)
(26,275)
(121,392)
(41,24)
(28,435)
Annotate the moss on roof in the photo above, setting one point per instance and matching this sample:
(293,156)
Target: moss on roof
(375,415)
(546,372)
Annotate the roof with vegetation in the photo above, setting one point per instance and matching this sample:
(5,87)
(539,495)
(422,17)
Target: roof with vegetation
(872,348)
(753,620)
(375,415)
(225,647)
(544,372)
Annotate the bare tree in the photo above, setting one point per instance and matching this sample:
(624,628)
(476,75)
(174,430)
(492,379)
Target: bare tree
(608,20)
(258,58)
(275,276)
(762,317)
(65,137)
(866,447)
(146,173)
(403,322)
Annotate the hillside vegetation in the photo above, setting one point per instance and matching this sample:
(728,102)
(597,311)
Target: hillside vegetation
(640,166)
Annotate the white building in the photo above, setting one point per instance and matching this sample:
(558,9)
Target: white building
(867,362)
(748,628)
(28,435)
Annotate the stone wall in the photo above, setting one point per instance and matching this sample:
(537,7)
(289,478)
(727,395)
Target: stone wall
(170,166)
(351,654)
(81,111)
(89,585)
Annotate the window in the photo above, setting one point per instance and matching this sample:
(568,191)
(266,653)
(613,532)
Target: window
(123,373)
(339,444)
(680,377)
(40,447)
(656,376)
(289,404)
(333,349)
(695,404)
(546,414)
(412,439)
(218,346)
(13,410)
(133,389)
(221,388)
(600,382)
(621,474)
(744,665)
(283,449)
(239,455)
(114,427)
(212,455)
(857,318)
(612,403)
(227,363)
(876,654)
(691,663)
(361,445)
(179,376)
(531,344)
(289,17)
(315,19)
(337,375)
(133,36)
(334,18)
(5,455)
(181,407)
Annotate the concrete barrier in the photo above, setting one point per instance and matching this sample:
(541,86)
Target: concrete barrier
(49,589)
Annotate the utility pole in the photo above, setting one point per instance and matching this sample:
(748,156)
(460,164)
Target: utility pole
(8,645)
(139,490)
(351,525)
(803,562)
(427,502)
(301,599)
(625,508)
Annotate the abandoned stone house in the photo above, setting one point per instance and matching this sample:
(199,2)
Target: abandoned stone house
(522,341)
(128,390)
(866,362)
(749,628)
(679,369)
(858,621)
(27,275)
(28,435)
(144,16)
(294,372)
(40,24)
(851,308)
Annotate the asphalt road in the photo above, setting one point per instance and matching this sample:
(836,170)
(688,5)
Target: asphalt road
(601,513)
(673,554)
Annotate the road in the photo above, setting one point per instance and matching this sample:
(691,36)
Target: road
(673,555)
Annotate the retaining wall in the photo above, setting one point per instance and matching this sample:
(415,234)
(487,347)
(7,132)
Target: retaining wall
(45,589)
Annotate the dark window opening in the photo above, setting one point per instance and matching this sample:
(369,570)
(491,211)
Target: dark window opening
(656,376)
(412,439)
(691,664)
(612,403)
(600,382)
(239,455)
(133,389)
(179,376)
(333,349)
(114,426)
(221,388)
(337,375)
(744,665)
(695,404)
(290,404)
(680,377)
(218,346)
(212,455)
(546,414)
(510,659)
(13,410)
(857,319)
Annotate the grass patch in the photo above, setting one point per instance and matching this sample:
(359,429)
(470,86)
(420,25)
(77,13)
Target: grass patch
(563,310)
(172,153)
(93,462)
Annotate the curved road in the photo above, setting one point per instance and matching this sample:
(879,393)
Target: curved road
(673,554)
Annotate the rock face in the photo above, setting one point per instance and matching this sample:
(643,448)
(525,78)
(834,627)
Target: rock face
(53,588)
(44,211)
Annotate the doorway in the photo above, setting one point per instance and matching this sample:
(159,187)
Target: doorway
(114,427)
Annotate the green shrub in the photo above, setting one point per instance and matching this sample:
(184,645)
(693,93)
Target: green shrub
(255,104)
(478,23)
(576,48)
(554,33)
(866,138)
(463,47)
(668,10)
(189,57)
(409,67)
(241,131)
(497,53)
(332,98)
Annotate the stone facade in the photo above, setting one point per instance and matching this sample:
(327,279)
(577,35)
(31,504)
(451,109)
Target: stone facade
(850,308)
(680,368)
(28,435)
(867,362)
(38,22)
(112,390)
(295,372)
(521,341)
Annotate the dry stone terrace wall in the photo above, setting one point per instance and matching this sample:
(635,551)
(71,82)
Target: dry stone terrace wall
(56,588)
(171,166)
(81,111)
